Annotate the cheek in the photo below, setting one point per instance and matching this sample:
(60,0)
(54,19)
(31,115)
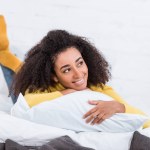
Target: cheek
(64,78)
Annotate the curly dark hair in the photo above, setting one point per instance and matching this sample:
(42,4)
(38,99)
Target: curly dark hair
(38,68)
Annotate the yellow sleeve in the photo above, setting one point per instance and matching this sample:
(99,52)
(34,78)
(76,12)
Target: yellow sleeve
(129,109)
(36,98)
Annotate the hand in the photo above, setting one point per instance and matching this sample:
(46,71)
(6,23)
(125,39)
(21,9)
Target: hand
(103,110)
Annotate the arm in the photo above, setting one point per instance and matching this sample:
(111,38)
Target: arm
(128,108)
(102,110)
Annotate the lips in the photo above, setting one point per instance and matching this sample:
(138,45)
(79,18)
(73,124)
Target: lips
(79,82)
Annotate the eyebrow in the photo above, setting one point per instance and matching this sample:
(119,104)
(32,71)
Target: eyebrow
(68,65)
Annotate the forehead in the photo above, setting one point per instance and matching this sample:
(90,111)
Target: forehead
(70,55)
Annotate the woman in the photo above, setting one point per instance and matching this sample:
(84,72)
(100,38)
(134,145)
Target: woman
(62,63)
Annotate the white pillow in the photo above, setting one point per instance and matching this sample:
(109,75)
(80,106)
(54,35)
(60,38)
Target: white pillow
(67,112)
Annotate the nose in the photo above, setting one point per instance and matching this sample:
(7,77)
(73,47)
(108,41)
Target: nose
(77,74)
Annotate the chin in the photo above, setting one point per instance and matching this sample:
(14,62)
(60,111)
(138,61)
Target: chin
(81,88)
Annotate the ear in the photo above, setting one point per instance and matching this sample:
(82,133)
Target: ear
(55,78)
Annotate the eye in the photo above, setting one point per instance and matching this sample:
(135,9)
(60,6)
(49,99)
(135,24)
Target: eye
(66,70)
(80,63)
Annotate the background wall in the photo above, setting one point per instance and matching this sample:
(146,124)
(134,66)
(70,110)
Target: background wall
(119,28)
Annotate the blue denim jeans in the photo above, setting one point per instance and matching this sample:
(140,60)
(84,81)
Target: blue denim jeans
(8,74)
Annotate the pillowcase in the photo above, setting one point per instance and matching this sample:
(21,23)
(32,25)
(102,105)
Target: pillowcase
(67,111)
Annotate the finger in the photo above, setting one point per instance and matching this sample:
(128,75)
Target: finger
(104,117)
(90,112)
(93,102)
(95,120)
(98,118)
(89,119)
(100,121)
(92,117)
(101,118)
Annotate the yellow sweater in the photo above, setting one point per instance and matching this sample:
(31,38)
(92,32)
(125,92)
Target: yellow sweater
(38,97)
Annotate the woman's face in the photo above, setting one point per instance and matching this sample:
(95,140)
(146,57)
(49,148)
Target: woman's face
(71,70)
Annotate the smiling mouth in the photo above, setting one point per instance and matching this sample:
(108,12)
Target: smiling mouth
(79,82)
